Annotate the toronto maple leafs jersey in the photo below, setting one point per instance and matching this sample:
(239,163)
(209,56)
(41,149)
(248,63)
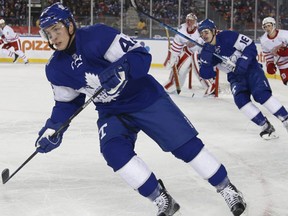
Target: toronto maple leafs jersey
(73,74)
(232,45)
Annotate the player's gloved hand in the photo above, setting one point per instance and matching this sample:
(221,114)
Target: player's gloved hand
(282,51)
(228,64)
(114,78)
(46,142)
(242,65)
(271,68)
(206,54)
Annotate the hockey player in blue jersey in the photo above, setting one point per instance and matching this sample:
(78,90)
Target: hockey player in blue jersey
(89,58)
(244,73)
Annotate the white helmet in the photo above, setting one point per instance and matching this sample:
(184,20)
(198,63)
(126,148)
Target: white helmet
(269,20)
(2,21)
(191,16)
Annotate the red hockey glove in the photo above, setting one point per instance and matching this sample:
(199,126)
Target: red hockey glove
(283,51)
(271,68)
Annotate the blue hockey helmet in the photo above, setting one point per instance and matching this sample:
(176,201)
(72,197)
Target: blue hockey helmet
(54,14)
(206,24)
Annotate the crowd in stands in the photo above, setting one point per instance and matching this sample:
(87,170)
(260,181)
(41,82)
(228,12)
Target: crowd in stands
(15,12)
(244,12)
(167,10)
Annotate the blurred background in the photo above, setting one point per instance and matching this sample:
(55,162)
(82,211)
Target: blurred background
(240,15)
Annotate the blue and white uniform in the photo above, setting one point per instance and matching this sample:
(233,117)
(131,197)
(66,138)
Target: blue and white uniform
(100,57)
(246,79)
(141,105)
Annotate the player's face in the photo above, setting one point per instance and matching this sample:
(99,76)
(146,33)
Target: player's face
(58,36)
(207,35)
(191,24)
(269,28)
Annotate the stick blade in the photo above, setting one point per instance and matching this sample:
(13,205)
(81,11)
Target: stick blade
(5,175)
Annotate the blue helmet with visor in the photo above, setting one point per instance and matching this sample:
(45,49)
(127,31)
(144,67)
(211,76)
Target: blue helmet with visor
(54,14)
(206,24)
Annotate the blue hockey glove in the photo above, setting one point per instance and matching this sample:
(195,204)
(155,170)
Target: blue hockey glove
(242,65)
(206,54)
(46,142)
(113,79)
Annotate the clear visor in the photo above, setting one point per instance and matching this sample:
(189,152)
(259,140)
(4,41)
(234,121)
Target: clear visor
(205,32)
(267,25)
(191,23)
(51,31)
(43,34)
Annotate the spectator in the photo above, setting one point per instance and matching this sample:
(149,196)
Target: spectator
(141,27)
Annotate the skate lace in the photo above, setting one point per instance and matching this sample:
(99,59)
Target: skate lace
(162,202)
(230,195)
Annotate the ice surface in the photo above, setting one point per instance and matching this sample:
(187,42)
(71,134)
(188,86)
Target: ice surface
(75,180)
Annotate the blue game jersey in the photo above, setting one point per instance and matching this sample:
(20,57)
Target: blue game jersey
(232,45)
(74,76)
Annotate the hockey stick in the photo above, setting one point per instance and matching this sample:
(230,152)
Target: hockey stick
(5,173)
(174,68)
(133,2)
(168,38)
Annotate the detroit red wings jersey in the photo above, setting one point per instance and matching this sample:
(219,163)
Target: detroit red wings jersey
(268,44)
(179,42)
(9,34)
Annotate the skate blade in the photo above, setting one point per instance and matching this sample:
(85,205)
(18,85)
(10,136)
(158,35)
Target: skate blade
(270,137)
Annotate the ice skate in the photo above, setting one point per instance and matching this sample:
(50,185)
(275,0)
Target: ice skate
(15,58)
(234,199)
(167,206)
(268,131)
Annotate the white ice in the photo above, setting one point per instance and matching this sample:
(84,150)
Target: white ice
(74,179)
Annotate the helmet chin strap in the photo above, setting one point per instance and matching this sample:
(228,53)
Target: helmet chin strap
(70,39)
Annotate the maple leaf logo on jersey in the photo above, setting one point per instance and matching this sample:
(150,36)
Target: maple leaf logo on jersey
(93,85)
(92,81)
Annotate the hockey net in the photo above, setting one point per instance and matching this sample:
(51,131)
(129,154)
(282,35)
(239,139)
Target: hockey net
(222,86)
(192,86)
